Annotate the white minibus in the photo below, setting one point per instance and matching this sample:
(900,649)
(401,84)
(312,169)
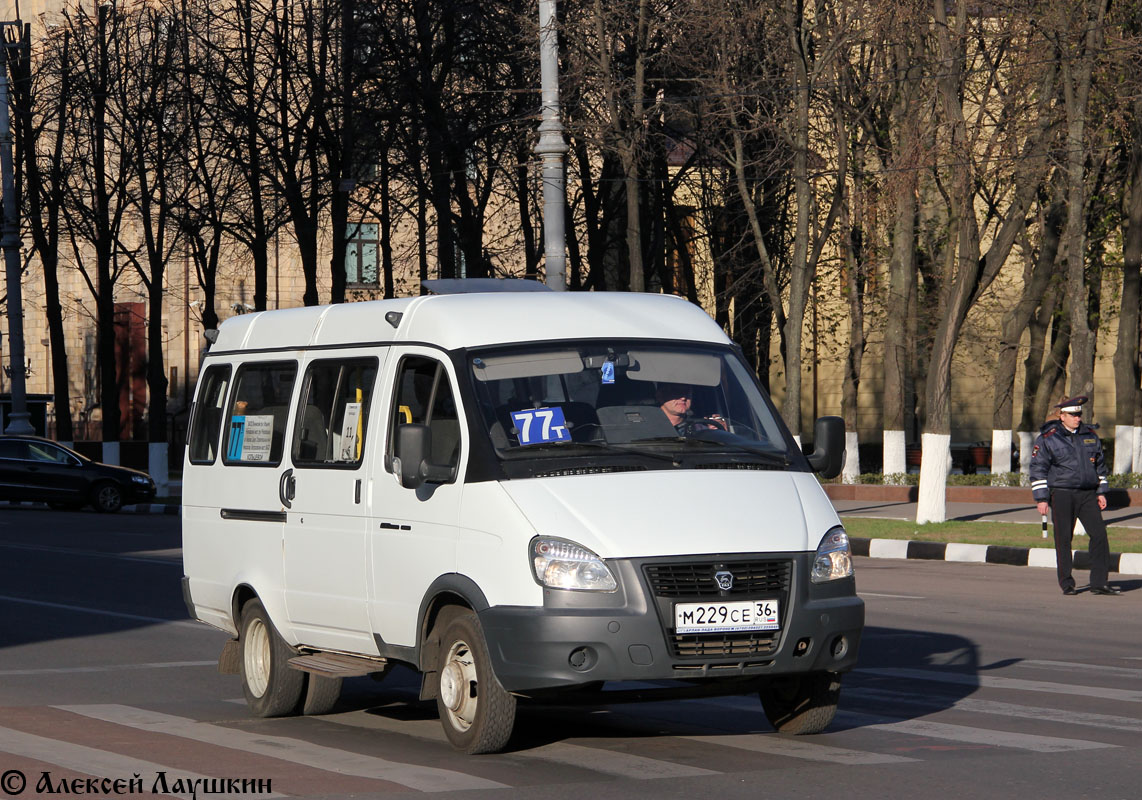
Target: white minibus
(517,495)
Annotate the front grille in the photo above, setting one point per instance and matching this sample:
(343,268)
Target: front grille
(697,580)
(720,645)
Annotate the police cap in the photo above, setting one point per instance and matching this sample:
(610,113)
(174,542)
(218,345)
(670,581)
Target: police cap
(1073,405)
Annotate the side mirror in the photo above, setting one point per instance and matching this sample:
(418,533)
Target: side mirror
(828,456)
(414,444)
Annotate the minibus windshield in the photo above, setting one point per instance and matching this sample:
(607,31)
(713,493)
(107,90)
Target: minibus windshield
(576,398)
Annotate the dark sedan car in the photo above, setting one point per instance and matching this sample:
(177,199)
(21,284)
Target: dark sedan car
(32,468)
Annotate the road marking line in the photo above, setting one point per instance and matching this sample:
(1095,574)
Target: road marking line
(963,733)
(773,744)
(425,779)
(198,626)
(609,762)
(1072,666)
(43,548)
(107,668)
(971,704)
(90,761)
(992,682)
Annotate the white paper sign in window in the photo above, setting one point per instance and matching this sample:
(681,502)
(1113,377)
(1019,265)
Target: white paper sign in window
(349,432)
(251,437)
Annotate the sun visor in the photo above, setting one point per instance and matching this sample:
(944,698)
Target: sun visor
(696,369)
(531,365)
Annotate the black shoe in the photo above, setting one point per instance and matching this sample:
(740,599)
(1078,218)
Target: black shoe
(1070,590)
(1105,590)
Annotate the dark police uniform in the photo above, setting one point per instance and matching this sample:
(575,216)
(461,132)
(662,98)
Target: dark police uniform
(1068,471)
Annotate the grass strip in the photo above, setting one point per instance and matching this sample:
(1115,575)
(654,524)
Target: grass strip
(1122,540)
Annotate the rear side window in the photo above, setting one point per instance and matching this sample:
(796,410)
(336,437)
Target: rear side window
(333,414)
(207,422)
(259,409)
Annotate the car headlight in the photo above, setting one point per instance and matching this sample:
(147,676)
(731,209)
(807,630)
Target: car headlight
(560,564)
(141,480)
(834,558)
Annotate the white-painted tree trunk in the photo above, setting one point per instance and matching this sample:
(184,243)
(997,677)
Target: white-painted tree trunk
(1137,450)
(1000,453)
(1123,448)
(157,466)
(894,453)
(1079,529)
(851,471)
(1026,442)
(934,466)
(797,438)
(110,452)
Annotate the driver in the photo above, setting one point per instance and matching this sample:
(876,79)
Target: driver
(674,399)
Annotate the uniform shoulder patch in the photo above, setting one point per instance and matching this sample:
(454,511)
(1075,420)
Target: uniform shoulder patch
(1050,432)
(1034,451)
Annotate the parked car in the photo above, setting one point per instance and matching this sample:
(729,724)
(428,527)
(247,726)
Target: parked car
(34,468)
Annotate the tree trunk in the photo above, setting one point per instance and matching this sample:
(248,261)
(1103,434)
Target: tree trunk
(1126,366)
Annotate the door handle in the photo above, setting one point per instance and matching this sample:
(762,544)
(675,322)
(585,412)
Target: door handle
(286,488)
(357,492)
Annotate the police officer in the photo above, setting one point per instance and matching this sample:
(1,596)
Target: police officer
(1068,472)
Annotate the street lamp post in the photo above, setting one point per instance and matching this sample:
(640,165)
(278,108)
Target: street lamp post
(551,148)
(18,419)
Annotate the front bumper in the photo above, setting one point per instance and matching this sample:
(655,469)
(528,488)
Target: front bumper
(580,638)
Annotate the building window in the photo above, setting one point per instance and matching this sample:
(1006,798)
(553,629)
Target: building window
(362,246)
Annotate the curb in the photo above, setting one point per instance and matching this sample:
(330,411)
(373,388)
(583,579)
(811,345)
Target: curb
(151,508)
(1122,563)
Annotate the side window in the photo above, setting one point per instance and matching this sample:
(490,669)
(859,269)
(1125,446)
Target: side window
(207,422)
(333,413)
(48,454)
(256,422)
(14,450)
(424,397)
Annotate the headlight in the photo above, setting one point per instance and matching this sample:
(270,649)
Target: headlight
(834,559)
(560,564)
(140,480)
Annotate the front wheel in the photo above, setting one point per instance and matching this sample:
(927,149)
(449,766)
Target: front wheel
(802,704)
(271,686)
(475,710)
(106,498)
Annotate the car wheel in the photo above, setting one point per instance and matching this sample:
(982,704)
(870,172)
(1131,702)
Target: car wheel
(477,713)
(321,694)
(802,704)
(106,498)
(271,686)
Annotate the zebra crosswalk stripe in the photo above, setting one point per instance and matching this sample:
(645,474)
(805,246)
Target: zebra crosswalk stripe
(993,682)
(964,733)
(775,745)
(89,760)
(425,779)
(608,762)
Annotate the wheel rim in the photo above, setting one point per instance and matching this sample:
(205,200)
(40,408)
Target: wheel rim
(458,686)
(108,497)
(256,656)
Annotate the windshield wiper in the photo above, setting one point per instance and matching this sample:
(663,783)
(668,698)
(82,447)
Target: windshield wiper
(772,456)
(522,451)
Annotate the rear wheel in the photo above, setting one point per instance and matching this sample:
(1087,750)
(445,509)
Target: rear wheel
(271,686)
(107,498)
(475,710)
(802,704)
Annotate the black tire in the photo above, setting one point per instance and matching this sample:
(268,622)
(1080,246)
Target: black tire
(321,695)
(477,713)
(802,704)
(106,497)
(272,688)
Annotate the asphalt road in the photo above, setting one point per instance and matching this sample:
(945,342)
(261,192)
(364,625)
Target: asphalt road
(978,681)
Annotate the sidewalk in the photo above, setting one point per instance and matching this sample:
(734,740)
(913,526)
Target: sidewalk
(1129,516)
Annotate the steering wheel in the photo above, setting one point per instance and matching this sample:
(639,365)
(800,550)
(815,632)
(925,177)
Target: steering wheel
(703,423)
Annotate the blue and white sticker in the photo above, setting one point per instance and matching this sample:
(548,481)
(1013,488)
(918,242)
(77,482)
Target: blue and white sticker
(539,425)
(608,372)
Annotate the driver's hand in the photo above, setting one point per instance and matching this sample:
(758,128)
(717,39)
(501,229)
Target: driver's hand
(720,420)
